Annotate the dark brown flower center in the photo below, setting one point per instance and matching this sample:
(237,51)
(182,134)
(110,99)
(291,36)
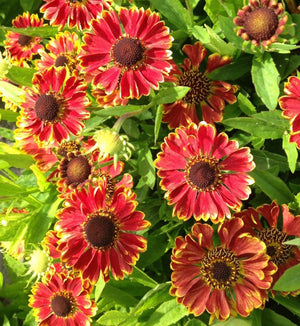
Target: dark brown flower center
(101,230)
(78,170)
(128,52)
(220,268)
(46,107)
(24,40)
(199,84)
(276,249)
(202,174)
(261,24)
(61,305)
(61,61)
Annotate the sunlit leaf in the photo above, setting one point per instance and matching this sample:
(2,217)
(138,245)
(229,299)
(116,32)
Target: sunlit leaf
(291,152)
(289,281)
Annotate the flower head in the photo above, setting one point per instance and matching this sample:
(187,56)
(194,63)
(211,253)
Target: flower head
(61,300)
(72,13)
(263,222)
(230,278)
(210,95)
(261,22)
(63,50)
(22,46)
(55,106)
(290,104)
(96,235)
(204,173)
(133,61)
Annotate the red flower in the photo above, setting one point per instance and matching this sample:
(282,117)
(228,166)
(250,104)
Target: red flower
(62,51)
(61,301)
(204,173)
(96,235)
(55,106)
(224,280)
(22,46)
(261,22)
(263,223)
(290,104)
(209,95)
(73,12)
(133,61)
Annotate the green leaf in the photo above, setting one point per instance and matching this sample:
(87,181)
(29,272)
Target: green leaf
(265,78)
(99,286)
(7,133)
(112,318)
(174,11)
(200,33)
(140,277)
(6,321)
(291,152)
(27,4)
(270,317)
(131,128)
(1,280)
(228,27)
(286,64)
(170,94)
(158,118)
(156,296)
(8,115)
(272,186)
(119,296)
(40,178)
(245,104)
(283,48)
(146,168)
(215,8)
(289,281)
(234,321)
(195,322)
(293,242)
(13,93)
(21,161)
(21,75)
(43,31)
(118,110)
(266,124)
(30,319)
(168,313)
(291,303)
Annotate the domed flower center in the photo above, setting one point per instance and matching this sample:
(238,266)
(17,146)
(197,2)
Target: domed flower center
(78,170)
(61,305)
(61,61)
(24,40)
(128,52)
(261,24)
(202,174)
(46,107)
(101,230)
(220,268)
(276,249)
(199,84)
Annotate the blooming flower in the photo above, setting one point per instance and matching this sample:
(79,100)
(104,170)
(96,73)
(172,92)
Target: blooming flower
(72,13)
(263,223)
(55,106)
(203,173)
(62,51)
(22,46)
(261,22)
(226,279)
(133,61)
(209,95)
(61,300)
(290,104)
(96,235)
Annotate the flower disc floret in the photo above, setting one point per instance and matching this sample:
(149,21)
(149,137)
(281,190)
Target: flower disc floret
(203,173)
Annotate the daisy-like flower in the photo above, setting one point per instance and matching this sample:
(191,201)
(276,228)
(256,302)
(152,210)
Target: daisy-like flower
(54,108)
(209,95)
(97,236)
(224,280)
(72,13)
(261,22)
(61,300)
(77,168)
(204,173)
(63,50)
(290,104)
(263,222)
(133,61)
(22,46)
